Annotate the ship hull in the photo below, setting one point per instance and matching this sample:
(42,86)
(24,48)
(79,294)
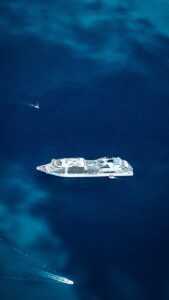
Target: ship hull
(90,175)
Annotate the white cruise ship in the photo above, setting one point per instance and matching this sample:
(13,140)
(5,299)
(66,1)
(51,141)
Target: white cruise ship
(111,167)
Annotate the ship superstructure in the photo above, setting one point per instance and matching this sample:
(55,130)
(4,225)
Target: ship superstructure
(111,167)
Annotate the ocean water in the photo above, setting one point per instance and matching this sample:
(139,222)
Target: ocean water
(99,70)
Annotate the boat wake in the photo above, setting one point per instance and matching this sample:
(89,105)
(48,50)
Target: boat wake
(34,105)
(27,268)
(55,277)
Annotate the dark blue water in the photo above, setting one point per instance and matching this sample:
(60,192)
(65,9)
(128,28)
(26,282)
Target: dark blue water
(101,78)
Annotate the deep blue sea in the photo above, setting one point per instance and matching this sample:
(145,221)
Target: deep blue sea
(99,70)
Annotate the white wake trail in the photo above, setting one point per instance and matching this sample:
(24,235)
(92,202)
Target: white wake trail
(23,269)
(55,277)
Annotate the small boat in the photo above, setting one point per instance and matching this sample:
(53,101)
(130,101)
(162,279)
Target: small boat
(35,105)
